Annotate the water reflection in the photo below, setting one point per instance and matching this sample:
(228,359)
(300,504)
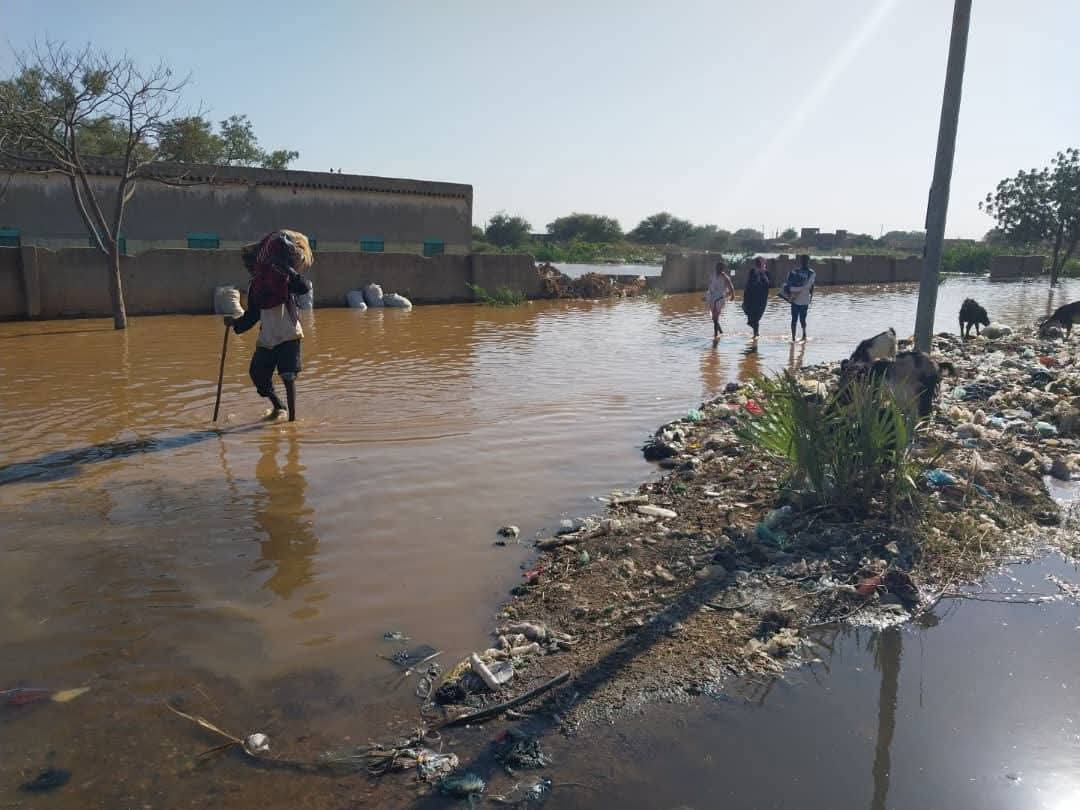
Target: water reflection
(713,371)
(750,362)
(283,514)
(796,355)
(887,647)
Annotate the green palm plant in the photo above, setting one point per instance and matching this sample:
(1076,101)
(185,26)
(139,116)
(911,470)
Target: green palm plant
(848,449)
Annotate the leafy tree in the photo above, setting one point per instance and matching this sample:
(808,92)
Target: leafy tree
(586,227)
(708,237)
(241,147)
(748,239)
(190,140)
(1041,207)
(789,235)
(904,240)
(662,229)
(278,159)
(507,231)
(64,102)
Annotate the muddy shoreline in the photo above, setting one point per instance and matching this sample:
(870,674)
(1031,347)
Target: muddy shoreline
(707,575)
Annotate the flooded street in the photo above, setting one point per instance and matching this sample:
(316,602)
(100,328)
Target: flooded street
(253,571)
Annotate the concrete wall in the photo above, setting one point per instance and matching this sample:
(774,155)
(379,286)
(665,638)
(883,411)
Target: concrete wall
(12,300)
(689,272)
(36,282)
(239,209)
(1016,266)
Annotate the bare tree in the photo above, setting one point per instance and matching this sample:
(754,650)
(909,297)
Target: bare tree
(59,100)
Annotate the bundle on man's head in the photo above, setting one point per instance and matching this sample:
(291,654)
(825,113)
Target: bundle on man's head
(282,248)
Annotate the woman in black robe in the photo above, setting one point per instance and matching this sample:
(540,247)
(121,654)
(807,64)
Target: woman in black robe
(756,293)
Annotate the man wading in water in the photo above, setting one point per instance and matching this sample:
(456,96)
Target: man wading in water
(271,302)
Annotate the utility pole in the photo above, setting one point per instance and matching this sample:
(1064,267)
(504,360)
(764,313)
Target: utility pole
(938,205)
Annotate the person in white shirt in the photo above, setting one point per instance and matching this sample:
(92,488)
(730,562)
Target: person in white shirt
(721,290)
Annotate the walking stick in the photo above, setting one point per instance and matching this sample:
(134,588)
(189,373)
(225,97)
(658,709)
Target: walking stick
(221,371)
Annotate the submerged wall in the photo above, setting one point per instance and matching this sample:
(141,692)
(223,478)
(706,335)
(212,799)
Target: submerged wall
(1016,266)
(40,283)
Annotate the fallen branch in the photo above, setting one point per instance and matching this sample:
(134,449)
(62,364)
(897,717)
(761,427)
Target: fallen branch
(499,708)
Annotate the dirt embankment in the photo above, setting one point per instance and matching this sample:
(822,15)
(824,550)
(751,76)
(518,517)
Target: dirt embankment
(705,573)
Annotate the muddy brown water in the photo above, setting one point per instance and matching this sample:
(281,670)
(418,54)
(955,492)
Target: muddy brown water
(251,572)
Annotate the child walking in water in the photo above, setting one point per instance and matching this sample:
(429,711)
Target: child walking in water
(275,284)
(721,290)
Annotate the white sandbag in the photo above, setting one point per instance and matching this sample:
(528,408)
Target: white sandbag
(227,302)
(395,300)
(355,299)
(307,300)
(373,295)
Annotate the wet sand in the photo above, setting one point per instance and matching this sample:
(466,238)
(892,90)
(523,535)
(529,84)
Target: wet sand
(253,570)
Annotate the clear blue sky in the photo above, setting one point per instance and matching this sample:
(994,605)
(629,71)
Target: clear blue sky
(763,114)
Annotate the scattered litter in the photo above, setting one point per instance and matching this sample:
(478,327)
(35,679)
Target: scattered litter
(656,511)
(25,696)
(509,532)
(395,635)
(410,659)
(940,478)
(694,415)
(462,786)
(520,751)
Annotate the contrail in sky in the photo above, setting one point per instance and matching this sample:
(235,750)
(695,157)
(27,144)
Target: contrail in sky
(810,101)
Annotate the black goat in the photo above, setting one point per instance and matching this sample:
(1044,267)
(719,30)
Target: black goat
(971,314)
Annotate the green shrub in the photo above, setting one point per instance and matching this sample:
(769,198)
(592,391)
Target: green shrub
(967,258)
(502,297)
(849,450)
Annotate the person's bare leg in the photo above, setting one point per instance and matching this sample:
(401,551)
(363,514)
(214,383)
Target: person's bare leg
(290,396)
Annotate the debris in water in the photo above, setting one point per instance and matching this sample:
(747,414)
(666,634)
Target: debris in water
(25,696)
(431,766)
(395,635)
(48,780)
(509,532)
(411,659)
(521,751)
(462,786)
(256,744)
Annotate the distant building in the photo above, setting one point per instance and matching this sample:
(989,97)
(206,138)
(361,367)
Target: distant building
(225,207)
(813,237)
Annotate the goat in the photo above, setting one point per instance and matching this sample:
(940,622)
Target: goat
(881,346)
(913,377)
(1066,317)
(971,314)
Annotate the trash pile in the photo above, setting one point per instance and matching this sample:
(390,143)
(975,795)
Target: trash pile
(555,284)
(715,569)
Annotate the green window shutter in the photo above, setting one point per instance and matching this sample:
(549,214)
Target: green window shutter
(10,237)
(433,247)
(371,244)
(203,241)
